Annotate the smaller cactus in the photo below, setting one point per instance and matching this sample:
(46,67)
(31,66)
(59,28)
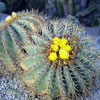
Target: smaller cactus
(14,33)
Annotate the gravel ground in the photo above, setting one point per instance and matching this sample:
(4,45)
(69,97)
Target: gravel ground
(11,89)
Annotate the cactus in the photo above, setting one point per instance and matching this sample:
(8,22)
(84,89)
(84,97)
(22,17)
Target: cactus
(60,8)
(71,6)
(58,63)
(13,34)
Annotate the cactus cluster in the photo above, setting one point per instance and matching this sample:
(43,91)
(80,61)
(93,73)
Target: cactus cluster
(53,57)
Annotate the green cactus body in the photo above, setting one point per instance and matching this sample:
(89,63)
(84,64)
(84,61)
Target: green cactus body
(60,8)
(16,35)
(66,78)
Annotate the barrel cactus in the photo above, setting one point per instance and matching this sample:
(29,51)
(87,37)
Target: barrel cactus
(13,34)
(54,63)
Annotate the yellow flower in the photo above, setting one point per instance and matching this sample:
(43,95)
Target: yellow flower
(63,54)
(54,47)
(63,46)
(56,40)
(9,19)
(52,56)
(63,42)
(68,48)
(14,15)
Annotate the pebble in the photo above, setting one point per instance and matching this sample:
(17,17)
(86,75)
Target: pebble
(12,90)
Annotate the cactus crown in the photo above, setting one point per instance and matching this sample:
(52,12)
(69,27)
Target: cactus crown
(56,61)
(62,48)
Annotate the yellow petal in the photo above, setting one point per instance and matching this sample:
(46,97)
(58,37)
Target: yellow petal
(14,15)
(68,48)
(63,42)
(8,19)
(52,56)
(63,54)
(56,40)
(54,47)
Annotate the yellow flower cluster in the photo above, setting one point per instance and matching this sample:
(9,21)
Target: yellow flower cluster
(60,48)
(9,19)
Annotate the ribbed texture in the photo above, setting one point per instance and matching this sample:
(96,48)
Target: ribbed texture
(21,46)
